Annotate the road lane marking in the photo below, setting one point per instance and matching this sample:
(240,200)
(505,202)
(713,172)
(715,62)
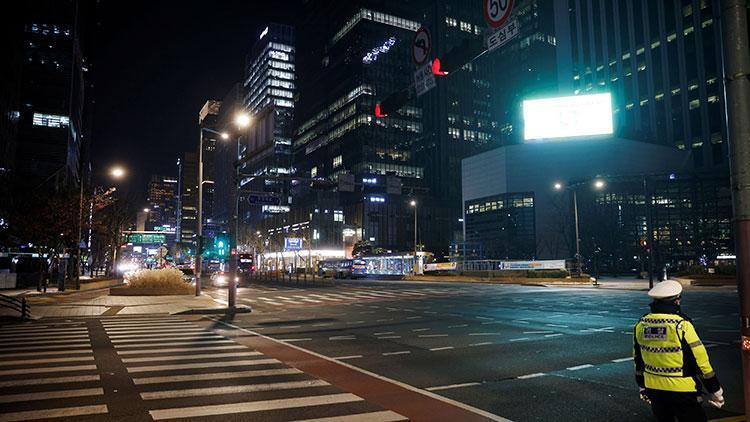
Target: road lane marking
(520,321)
(201,365)
(294,340)
(421,329)
(484,334)
(257,406)
(48,380)
(166,335)
(484,343)
(452,386)
(334,338)
(519,339)
(536,375)
(178,350)
(48,395)
(347,357)
(49,369)
(190,357)
(62,412)
(402,352)
(579,367)
(232,389)
(553,335)
(387,337)
(622,360)
(154,346)
(437,349)
(557,325)
(355,322)
(458,326)
(4,363)
(432,335)
(177,337)
(36,343)
(56,346)
(382,333)
(382,416)
(538,332)
(414,317)
(216,376)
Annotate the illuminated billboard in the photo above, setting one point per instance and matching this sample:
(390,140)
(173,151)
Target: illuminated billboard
(565,117)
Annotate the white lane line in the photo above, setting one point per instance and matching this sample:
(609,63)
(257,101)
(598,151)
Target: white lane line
(48,380)
(271,302)
(166,334)
(382,333)
(178,350)
(558,326)
(216,376)
(37,354)
(414,317)
(355,322)
(154,346)
(62,412)
(34,343)
(150,341)
(421,329)
(334,338)
(294,340)
(257,406)
(48,395)
(484,343)
(382,416)
(154,329)
(576,368)
(384,320)
(325,297)
(622,360)
(142,325)
(458,326)
(432,335)
(387,337)
(323,324)
(289,326)
(525,377)
(190,357)
(518,321)
(34,347)
(293,302)
(232,389)
(4,363)
(437,349)
(481,317)
(538,332)
(553,335)
(201,365)
(56,333)
(452,386)
(48,369)
(519,339)
(347,357)
(484,334)
(401,352)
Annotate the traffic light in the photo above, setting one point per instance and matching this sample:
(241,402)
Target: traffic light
(221,245)
(393,102)
(458,56)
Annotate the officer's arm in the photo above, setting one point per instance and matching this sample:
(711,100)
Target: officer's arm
(710,381)
(638,359)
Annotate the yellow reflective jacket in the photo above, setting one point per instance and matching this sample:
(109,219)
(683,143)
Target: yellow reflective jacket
(670,356)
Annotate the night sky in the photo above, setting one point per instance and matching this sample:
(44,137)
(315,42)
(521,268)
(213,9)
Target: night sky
(155,65)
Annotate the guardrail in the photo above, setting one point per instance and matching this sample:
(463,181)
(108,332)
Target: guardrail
(20,306)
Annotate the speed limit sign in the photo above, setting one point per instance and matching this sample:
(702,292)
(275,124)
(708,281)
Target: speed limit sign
(421,46)
(496,12)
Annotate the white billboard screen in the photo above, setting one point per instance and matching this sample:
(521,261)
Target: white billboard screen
(565,117)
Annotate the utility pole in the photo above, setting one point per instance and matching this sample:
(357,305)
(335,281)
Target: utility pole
(648,202)
(199,228)
(736,60)
(579,266)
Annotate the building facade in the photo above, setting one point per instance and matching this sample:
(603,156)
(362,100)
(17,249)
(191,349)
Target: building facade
(187,170)
(162,204)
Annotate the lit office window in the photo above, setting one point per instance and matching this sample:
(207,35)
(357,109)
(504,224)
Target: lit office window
(50,120)
(337,160)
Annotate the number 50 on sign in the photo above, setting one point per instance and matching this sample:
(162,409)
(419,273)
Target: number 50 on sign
(496,12)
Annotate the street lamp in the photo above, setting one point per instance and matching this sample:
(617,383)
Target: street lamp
(413,204)
(117,172)
(597,184)
(146,210)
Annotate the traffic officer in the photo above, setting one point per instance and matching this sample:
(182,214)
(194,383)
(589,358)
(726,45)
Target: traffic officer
(670,360)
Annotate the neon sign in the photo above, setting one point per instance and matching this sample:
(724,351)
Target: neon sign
(372,55)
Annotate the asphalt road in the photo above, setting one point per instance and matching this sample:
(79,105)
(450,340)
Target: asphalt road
(521,352)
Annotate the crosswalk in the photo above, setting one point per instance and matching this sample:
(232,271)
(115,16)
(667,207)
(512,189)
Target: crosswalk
(298,297)
(48,371)
(182,371)
(177,370)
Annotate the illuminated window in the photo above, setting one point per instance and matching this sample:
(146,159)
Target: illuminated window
(465,26)
(314,171)
(50,120)
(338,215)
(337,160)
(451,21)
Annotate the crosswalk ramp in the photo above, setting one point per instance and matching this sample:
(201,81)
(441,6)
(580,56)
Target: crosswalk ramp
(182,371)
(48,370)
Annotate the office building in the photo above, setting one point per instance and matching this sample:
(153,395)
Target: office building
(162,204)
(188,200)
(207,119)
(44,129)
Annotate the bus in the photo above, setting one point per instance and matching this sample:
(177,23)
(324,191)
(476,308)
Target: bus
(246,263)
(342,268)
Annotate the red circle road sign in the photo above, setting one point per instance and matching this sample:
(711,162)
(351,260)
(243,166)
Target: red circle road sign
(496,12)
(422,46)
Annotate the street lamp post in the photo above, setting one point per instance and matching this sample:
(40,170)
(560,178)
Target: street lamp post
(413,203)
(597,184)
(242,121)
(199,228)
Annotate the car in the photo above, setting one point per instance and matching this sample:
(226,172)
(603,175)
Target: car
(221,278)
(342,268)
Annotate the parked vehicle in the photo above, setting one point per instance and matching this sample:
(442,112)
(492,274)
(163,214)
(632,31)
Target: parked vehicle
(342,268)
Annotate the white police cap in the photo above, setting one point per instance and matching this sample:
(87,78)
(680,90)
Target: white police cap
(666,289)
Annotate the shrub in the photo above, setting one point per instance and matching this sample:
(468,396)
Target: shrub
(162,279)
(546,274)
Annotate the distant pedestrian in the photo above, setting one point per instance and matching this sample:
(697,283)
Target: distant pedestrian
(671,362)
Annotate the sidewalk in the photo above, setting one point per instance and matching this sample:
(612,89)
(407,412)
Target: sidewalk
(100,303)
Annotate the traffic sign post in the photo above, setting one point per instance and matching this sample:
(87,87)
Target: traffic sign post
(424,79)
(422,46)
(496,12)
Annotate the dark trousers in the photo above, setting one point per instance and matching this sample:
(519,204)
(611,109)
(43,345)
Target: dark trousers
(669,406)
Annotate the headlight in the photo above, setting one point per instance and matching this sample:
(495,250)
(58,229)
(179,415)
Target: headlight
(127,266)
(222,279)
